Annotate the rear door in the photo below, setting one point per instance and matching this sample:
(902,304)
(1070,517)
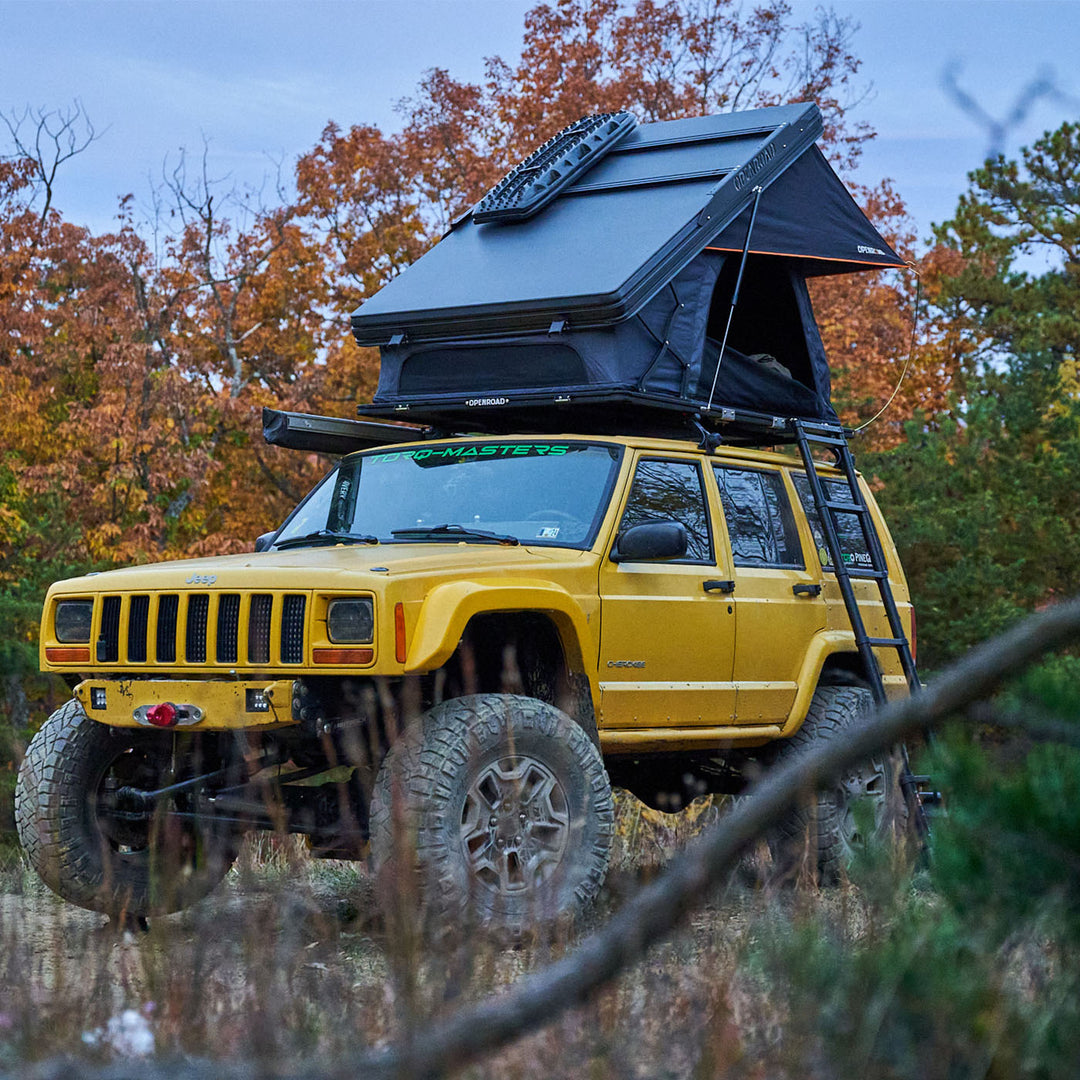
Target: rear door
(777,600)
(667,633)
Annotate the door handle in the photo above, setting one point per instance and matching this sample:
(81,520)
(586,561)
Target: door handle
(718,586)
(806,590)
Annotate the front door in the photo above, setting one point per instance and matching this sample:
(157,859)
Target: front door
(667,632)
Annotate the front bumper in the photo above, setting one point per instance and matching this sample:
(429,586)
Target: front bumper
(202,705)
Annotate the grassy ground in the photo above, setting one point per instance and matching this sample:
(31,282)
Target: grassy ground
(289,961)
(289,965)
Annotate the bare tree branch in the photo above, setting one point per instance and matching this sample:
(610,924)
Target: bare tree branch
(1044,85)
(57,137)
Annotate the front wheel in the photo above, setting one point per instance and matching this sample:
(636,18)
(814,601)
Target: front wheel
(93,853)
(507,807)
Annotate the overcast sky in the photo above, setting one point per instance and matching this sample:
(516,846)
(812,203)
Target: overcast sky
(260,80)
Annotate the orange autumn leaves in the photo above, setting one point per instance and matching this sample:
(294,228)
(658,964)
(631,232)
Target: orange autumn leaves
(134,365)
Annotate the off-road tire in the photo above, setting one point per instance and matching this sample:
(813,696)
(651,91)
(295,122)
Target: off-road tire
(453,786)
(820,835)
(67,844)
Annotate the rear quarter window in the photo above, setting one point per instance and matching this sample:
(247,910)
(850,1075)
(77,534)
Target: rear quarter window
(852,541)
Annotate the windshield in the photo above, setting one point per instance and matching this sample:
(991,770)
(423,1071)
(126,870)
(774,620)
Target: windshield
(547,493)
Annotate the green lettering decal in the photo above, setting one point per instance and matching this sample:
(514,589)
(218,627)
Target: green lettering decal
(559,450)
(419,455)
(487,451)
(524,448)
(470,451)
(450,451)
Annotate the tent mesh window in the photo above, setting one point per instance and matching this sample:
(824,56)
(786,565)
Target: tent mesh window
(497,367)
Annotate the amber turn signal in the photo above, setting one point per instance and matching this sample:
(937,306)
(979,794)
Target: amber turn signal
(67,655)
(399,633)
(342,656)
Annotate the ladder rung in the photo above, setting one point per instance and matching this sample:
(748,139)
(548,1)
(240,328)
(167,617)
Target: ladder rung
(872,575)
(825,440)
(886,642)
(846,507)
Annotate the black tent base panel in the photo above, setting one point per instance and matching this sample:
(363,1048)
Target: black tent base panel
(598,412)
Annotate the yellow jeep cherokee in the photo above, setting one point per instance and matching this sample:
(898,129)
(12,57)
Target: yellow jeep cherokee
(514,618)
(455,645)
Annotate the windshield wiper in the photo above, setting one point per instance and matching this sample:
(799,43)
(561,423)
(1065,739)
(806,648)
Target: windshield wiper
(326,536)
(456,532)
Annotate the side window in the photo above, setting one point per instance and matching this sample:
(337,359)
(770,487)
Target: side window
(759,518)
(671,491)
(852,541)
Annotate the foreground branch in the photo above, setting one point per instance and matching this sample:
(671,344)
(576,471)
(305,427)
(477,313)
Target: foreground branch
(653,912)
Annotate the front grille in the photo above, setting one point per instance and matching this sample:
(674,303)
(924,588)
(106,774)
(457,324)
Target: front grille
(137,616)
(195,642)
(108,646)
(202,628)
(228,627)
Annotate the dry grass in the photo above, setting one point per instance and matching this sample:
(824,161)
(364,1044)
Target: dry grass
(290,962)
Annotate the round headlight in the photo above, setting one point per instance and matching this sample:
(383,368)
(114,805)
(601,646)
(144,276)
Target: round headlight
(72,622)
(351,620)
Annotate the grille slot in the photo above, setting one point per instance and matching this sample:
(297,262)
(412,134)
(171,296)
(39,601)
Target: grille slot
(228,628)
(138,613)
(108,645)
(259,622)
(195,641)
(292,629)
(168,606)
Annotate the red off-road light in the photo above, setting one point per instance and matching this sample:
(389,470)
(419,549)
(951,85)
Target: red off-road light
(163,715)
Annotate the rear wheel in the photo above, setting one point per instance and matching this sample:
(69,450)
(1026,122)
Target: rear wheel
(86,845)
(506,806)
(865,805)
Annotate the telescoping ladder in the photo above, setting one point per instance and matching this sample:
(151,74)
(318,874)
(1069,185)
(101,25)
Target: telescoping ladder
(809,435)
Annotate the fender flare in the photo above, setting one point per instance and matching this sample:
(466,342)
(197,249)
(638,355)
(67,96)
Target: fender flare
(825,643)
(447,609)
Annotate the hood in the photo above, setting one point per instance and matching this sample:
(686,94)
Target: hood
(324,567)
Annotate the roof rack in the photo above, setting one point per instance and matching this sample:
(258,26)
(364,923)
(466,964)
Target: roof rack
(599,412)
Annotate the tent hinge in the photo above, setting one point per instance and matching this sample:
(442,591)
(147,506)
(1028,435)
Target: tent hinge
(557,326)
(396,340)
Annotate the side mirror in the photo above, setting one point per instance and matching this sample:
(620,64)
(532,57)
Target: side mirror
(263,542)
(651,540)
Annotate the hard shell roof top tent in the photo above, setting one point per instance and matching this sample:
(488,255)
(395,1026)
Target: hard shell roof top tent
(591,288)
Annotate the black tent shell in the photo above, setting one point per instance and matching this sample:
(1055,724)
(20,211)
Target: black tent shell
(610,301)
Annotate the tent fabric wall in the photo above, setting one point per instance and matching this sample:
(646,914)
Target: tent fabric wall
(664,350)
